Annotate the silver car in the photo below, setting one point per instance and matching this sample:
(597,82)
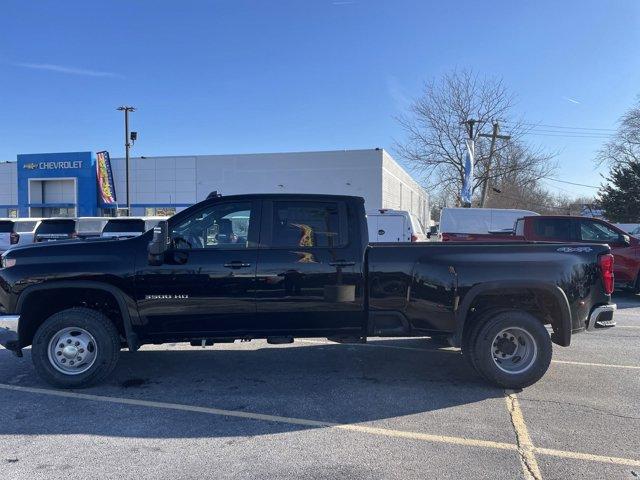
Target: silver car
(17,231)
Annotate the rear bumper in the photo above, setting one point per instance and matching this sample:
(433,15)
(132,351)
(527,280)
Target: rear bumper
(9,332)
(602,317)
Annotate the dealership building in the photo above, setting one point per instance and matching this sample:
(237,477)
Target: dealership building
(66,184)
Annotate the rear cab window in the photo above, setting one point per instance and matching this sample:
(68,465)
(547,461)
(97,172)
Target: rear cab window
(552,228)
(299,224)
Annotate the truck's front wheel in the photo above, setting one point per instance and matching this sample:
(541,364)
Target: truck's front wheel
(511,349)
(75,348)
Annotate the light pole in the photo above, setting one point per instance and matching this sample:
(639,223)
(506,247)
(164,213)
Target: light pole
(127,146)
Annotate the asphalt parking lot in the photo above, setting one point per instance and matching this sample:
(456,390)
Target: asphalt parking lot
(398,408)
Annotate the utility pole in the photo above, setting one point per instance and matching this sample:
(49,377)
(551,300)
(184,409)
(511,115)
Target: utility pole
(127,146)
(493,136)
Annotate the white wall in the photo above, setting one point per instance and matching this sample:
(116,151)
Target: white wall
(8,186)
(187,180)
(401,192)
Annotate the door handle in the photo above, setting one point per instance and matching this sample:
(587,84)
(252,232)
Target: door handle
(342,263)
(237,264)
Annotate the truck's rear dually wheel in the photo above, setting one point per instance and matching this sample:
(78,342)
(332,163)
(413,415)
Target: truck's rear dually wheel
(75,348)
(511,349)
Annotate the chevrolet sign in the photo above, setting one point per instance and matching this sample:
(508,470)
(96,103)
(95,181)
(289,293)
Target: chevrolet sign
(53,165)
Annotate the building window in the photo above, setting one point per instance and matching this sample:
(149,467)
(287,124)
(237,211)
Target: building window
(48,212)
(12,212)
(159,211)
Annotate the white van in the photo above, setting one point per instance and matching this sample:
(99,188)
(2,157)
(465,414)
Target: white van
(394,226)
(464,222)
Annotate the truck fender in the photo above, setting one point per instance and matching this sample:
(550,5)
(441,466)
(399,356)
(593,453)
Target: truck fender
(125,303)
(562,331)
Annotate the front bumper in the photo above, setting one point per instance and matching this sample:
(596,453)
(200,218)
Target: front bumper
(602,317)
(9,332)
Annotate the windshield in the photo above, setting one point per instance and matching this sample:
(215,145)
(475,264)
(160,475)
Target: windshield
(25,226)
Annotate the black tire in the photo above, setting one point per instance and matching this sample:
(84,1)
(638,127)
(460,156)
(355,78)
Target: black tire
(470,335)
(98,325)
(481,347)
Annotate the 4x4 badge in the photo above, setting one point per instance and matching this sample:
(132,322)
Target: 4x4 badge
(575,249)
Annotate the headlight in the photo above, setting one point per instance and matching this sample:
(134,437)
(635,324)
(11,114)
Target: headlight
(8,262)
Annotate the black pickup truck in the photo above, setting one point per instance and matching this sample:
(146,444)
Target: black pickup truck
(285,266)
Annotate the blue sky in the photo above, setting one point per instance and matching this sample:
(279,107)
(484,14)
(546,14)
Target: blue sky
(232,76)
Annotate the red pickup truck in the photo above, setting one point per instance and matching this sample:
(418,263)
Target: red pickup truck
(625,248)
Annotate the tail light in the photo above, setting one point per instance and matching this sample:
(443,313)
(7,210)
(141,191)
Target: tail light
(414,237)
(606,270)
(14,238)
(73,235)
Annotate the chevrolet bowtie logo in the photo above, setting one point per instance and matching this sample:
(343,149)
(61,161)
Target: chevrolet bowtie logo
(30,166)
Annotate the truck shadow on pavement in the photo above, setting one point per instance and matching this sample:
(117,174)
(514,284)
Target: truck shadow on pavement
(324,382)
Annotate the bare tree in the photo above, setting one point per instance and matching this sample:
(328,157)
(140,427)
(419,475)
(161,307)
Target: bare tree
(624,148)
(436,134)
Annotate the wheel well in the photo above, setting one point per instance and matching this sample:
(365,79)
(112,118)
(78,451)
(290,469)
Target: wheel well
(40,305)
(540,303)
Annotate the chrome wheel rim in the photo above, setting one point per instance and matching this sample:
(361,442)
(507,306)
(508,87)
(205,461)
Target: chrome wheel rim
(72,351)
(514,350)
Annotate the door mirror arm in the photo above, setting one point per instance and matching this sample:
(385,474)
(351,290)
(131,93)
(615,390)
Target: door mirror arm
(159,244)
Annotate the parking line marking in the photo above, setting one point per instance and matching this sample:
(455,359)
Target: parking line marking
(267,418)
(628,462)
(588,364)
(627,326)
(315,423)
(525,446)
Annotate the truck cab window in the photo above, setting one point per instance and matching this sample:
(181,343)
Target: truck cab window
(220,226)
(597,232)
(552,228)
(306,224)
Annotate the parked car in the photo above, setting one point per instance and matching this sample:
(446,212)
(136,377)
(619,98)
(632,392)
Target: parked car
(283,266)
(469,224)
(8,237)
(51,229)
(387,225)
(17,231)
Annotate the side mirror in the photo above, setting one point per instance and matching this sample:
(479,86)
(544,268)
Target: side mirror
(159,244)
(626,240)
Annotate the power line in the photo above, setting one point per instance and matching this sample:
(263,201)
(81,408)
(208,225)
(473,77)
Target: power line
(564,134)
(559,126)
(571,183)
(567,132)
